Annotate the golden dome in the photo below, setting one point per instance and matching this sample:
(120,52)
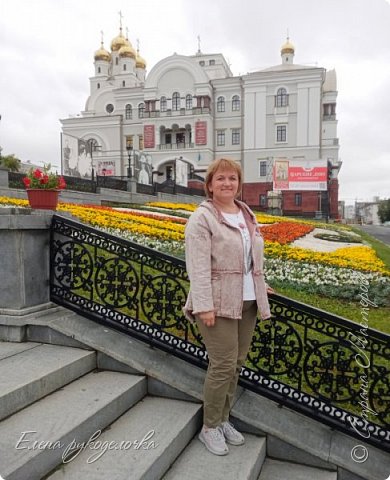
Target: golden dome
(118,42)
(287,47)
(140,62)
(127,51)
(102,54)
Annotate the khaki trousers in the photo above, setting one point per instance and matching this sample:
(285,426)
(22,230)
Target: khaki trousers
(227,344)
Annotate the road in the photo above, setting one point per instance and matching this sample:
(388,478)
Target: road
(377,231)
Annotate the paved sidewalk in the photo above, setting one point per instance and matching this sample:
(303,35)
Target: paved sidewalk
(319,245)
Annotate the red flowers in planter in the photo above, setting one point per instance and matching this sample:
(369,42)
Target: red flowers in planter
(44,179)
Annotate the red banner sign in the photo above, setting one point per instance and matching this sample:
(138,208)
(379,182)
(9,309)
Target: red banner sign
(201,133)
(300,174)
(149,137)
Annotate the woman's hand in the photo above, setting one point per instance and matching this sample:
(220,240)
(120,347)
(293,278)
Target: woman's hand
(208,318)
(270,289)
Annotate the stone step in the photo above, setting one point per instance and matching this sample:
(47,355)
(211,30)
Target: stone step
(156,431)
(33,440)
(243,462)
(278,470)
(30,371)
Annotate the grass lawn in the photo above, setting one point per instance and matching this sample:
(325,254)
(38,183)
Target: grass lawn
(379,318)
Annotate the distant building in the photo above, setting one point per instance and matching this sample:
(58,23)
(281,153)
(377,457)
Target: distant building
(192,108)
(366,213)
(27,166)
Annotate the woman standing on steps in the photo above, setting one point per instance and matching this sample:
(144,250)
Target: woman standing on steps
(224,257)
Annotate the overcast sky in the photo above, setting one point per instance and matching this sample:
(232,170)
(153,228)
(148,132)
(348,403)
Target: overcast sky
(47,47)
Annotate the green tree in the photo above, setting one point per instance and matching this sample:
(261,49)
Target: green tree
(10,162)
(384,210)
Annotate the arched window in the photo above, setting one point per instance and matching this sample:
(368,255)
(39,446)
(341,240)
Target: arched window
(236,103)
(176,101)
(163,104)
(188,102)
(141,110)
(220,104)
(123,83)
(116,61)
(99,70)
(281,99)
(124,66)
(98,85)
(129,112)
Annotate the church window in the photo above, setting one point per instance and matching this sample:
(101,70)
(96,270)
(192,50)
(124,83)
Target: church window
(109,108)
(236,136)
(188,102)
(141,110)
(163,104)
(176,101)
(329,110)
(281,133)
(220,104)
(220,138)
(129,112)
(281,99)
(236,103)
(263,168)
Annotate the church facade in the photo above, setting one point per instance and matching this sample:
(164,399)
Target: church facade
(171,123)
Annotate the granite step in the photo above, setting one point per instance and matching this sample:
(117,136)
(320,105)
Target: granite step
(33,440)
(243,462)
(279,470)
(145,441)
(30,371)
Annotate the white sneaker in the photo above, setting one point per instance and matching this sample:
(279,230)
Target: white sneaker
(214,440)
(231,435)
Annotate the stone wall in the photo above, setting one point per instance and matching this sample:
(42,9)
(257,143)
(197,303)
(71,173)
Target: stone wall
(24,259)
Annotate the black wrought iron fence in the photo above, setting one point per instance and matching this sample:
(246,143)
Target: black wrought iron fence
(114,183)
(146,189)
(79,184)
(316,363)
(15,180)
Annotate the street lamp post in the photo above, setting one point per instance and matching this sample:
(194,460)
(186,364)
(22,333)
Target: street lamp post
(92,148)
(129,149)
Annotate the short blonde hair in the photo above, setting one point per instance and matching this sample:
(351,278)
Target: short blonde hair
(222,164)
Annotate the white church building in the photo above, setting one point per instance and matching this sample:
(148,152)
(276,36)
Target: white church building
(189,110)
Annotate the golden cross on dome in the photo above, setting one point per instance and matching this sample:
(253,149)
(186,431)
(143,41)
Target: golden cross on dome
(127,33)
(137,45)
(101,36)
(199,44)
(120,18)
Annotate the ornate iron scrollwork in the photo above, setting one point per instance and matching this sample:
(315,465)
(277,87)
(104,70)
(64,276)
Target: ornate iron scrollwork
(310,360)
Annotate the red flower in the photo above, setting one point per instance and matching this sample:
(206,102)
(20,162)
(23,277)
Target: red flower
(37,173)
(61,183)
(44,180)
(27,182)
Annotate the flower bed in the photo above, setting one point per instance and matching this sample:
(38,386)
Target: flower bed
(333,274)
(285,232)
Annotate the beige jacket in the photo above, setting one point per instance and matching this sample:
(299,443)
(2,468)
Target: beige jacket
(215,263)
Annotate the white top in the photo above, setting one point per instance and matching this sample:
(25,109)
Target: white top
(237,220)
